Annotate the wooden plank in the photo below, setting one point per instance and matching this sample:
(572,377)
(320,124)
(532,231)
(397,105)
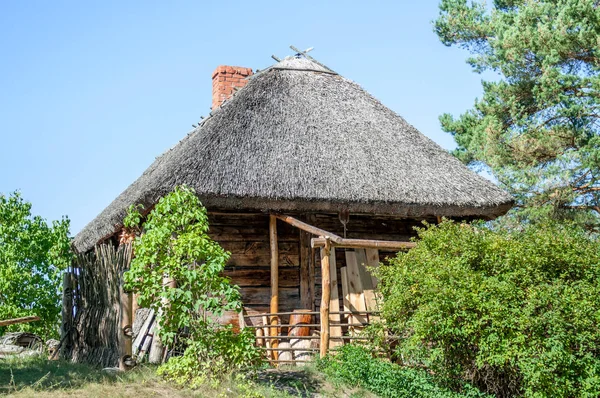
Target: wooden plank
(373,262)
(305,298)
(355,290)
(334,301)
(325,299)
(366,280)
(345,291)
(236,233)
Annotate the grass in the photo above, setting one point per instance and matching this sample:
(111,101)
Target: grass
(38,377)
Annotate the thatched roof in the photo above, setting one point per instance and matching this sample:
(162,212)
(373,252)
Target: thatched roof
(300,137)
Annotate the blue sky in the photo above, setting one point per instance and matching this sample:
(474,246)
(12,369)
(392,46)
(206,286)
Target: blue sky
(92,92)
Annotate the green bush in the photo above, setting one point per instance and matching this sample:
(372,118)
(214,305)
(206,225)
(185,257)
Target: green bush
(355,366)
(173,242)
(514,313)
(213,355)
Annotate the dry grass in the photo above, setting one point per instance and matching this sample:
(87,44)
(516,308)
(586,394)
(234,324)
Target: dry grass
(38,377)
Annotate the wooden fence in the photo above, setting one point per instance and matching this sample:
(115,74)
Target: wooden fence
(281,346)
(91,306)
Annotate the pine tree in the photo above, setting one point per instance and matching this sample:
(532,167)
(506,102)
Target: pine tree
(536,128)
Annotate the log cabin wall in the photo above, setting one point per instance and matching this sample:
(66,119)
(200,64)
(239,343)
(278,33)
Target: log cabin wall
(246,237)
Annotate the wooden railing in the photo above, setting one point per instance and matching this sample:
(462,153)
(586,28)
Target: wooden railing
(282,348)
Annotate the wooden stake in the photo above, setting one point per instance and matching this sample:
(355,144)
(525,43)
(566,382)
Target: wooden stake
(126,329)
(265,322)
(274,308)
(67,309)
(325,297)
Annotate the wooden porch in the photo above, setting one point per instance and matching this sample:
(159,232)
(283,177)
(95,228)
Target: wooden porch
(307,331)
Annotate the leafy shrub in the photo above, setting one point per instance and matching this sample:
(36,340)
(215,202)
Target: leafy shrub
(515,313)
(355,366)
(174,243)
(214,354)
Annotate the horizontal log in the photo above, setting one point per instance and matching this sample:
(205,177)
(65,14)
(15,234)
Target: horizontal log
(262,296)
(248,254)
(315,325)
(248,248)
(303,349)
(364,244)
(281,313)
(261,276)
(255,260)
(315,337)
(16,321)
(247,234)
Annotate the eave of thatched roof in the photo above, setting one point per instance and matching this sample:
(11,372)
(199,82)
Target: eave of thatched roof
(299,137)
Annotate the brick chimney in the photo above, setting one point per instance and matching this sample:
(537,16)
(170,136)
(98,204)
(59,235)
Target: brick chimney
(225,78)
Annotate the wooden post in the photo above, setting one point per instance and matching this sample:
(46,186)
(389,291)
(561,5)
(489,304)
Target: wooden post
(67,309)
(334,301)
(306,300)
(325,297)
(274,308)
(134,306)
(126,334)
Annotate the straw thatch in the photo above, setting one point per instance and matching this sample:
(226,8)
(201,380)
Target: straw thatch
(299,137)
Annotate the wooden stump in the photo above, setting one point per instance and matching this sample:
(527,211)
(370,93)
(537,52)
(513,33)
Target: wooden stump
(296,320)
(296,330)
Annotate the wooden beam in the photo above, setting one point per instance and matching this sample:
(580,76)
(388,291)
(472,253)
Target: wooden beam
(15,321)
(364,244)
(274,308)
(325,297)
(308,228)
